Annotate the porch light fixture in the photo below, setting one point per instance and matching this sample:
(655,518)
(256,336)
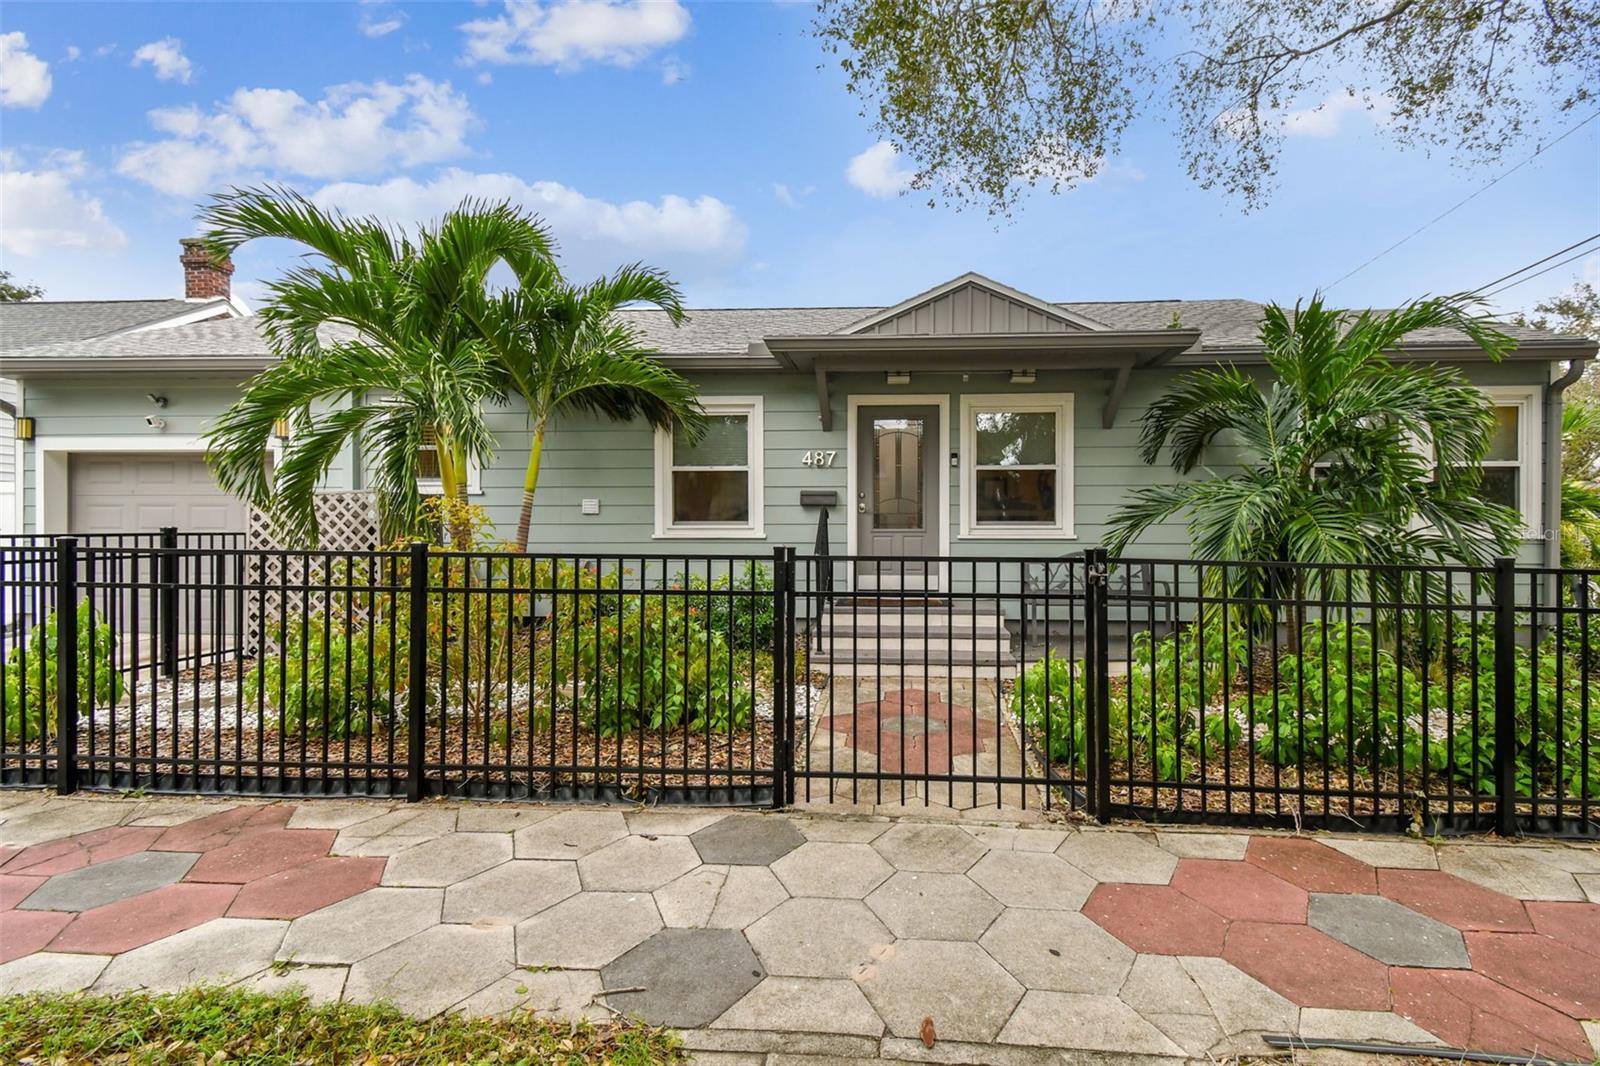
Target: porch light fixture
(897,377)
(280,429)
(24,428)
(1023,377)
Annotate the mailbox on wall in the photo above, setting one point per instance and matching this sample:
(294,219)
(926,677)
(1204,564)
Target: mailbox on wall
(819,498)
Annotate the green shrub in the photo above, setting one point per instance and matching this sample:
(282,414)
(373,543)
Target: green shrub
(30,673)
(312,687)
(744,621)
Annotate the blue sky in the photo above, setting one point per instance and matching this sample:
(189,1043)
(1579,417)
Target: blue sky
(715,140)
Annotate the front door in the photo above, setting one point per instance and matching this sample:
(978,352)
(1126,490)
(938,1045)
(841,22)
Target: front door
(897,495)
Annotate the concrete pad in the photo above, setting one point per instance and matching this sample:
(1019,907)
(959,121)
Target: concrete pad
(506,819)
(1131,858)
(51,971)
(746,840)
(570,834)
(637,864)
(841,830)
(1037,880)
(819,938)
(804,1005)
(1592,1029)
(1505,871)
(566,995)
(1239,1002)
(300,890)
(352,929)
(1369,1026)
(319,984)
(1058,951)
(510,892)
(1589,884)
(1387,931)
(1387,854)
(588,930)
(671,821)
(57,818)
(107,882)
(1574,858)
(836,871)
(933,906)
(1084,1023)
(1159,983)
(407,820)
(966,993)
(221,951)
(719,897)
(451,858)
(335,814)
(433,970)
(932,848)
(1196,1034)
(1016,838)
(685,977)
(138,920)
(1203,845)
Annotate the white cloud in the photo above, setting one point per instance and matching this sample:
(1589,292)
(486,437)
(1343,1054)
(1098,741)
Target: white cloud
(790,197)
(41,207)
(24,77)
(566,34)
(378,19)
(673,70)
(166,56)
(877,171)
(354,129)
(681,234)
(73,53)
(1327,118)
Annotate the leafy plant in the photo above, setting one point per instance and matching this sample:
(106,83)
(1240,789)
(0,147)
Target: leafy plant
(31,694)
(739,605)
(333,674)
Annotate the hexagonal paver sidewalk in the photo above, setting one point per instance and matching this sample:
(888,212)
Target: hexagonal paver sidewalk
(807,935)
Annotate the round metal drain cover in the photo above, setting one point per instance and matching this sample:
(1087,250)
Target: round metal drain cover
(914,725)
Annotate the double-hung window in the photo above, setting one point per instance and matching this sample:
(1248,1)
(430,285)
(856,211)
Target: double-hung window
(430,481)
(1510,472)
(712,487)
(1016,466)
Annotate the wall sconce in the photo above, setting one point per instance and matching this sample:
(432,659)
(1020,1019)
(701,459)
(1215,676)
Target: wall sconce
(897,377)
(24,428)
(1023,377)
(280,429)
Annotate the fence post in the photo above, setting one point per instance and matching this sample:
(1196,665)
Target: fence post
(782,644)
(417,673)
(67,665)
(1505,695)
(1098,682)
(167,602)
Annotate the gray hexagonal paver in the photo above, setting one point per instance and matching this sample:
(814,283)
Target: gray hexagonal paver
(932,848)
(836,871)
(1058,950)
(564,994)
(588,930)
(221,951)
(747,840)
(1032,879)
(106,882)
(433,970)
(510,892)
(804,1005)
(1092,1023)
(1112,855)
(966,993)
(449,859)
(819,938)
(1387,931)
(933,906)
(50,971)
(684,977)
(356,927)
(569,835)
(637,864)
(719,897)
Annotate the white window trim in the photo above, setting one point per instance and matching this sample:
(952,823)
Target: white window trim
(756,528)
(1530,430)
(51,455)
(432,486)
(1058,403)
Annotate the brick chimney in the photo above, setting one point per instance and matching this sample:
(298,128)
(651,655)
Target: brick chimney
(204,277)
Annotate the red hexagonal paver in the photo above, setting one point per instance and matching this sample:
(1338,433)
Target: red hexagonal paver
(1239,890)
(1538,966)
(223,828)
(14,888)
(1467,1010)
(1576,925)
(75,852)
(24,932)
(306,888)
(1307,966)
(142,919)
(262,854)
(1453,900)
(1312,865)
(1156,919)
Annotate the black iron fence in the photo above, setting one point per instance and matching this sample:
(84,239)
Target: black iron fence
(1430,700)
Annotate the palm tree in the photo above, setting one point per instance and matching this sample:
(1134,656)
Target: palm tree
(1580,495)
(565,349)
(1348,456)
(373,350)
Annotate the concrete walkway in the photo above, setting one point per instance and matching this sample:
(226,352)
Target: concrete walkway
(814,937)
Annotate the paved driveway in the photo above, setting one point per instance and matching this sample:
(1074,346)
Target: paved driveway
(813,934)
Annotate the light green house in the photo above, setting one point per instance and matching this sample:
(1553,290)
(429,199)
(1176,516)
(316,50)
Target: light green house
(970,420)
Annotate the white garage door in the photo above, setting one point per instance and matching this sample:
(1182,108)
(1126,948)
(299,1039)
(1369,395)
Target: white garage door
(142,493)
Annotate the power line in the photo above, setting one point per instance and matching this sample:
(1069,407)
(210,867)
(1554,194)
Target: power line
(1468,199)
(1537,262)
(1546,270)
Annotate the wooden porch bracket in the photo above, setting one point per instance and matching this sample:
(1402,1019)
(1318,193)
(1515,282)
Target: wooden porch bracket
(824,403)
(1119,385)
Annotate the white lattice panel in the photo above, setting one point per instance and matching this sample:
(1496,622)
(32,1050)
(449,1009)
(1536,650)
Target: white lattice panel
(277,584)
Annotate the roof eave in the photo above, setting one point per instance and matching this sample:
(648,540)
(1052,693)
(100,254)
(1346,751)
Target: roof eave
(1154,345)
(22,366)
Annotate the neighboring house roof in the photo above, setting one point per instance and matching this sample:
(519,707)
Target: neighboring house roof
(34,323)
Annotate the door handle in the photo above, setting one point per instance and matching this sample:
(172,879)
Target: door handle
(862,507)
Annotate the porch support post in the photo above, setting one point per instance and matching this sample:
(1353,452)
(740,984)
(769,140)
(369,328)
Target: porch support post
(1108,414)
(824,403)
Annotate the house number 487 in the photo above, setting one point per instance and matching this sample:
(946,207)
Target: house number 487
(818,458)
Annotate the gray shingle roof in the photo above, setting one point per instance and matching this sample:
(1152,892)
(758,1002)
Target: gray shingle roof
(39,322)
